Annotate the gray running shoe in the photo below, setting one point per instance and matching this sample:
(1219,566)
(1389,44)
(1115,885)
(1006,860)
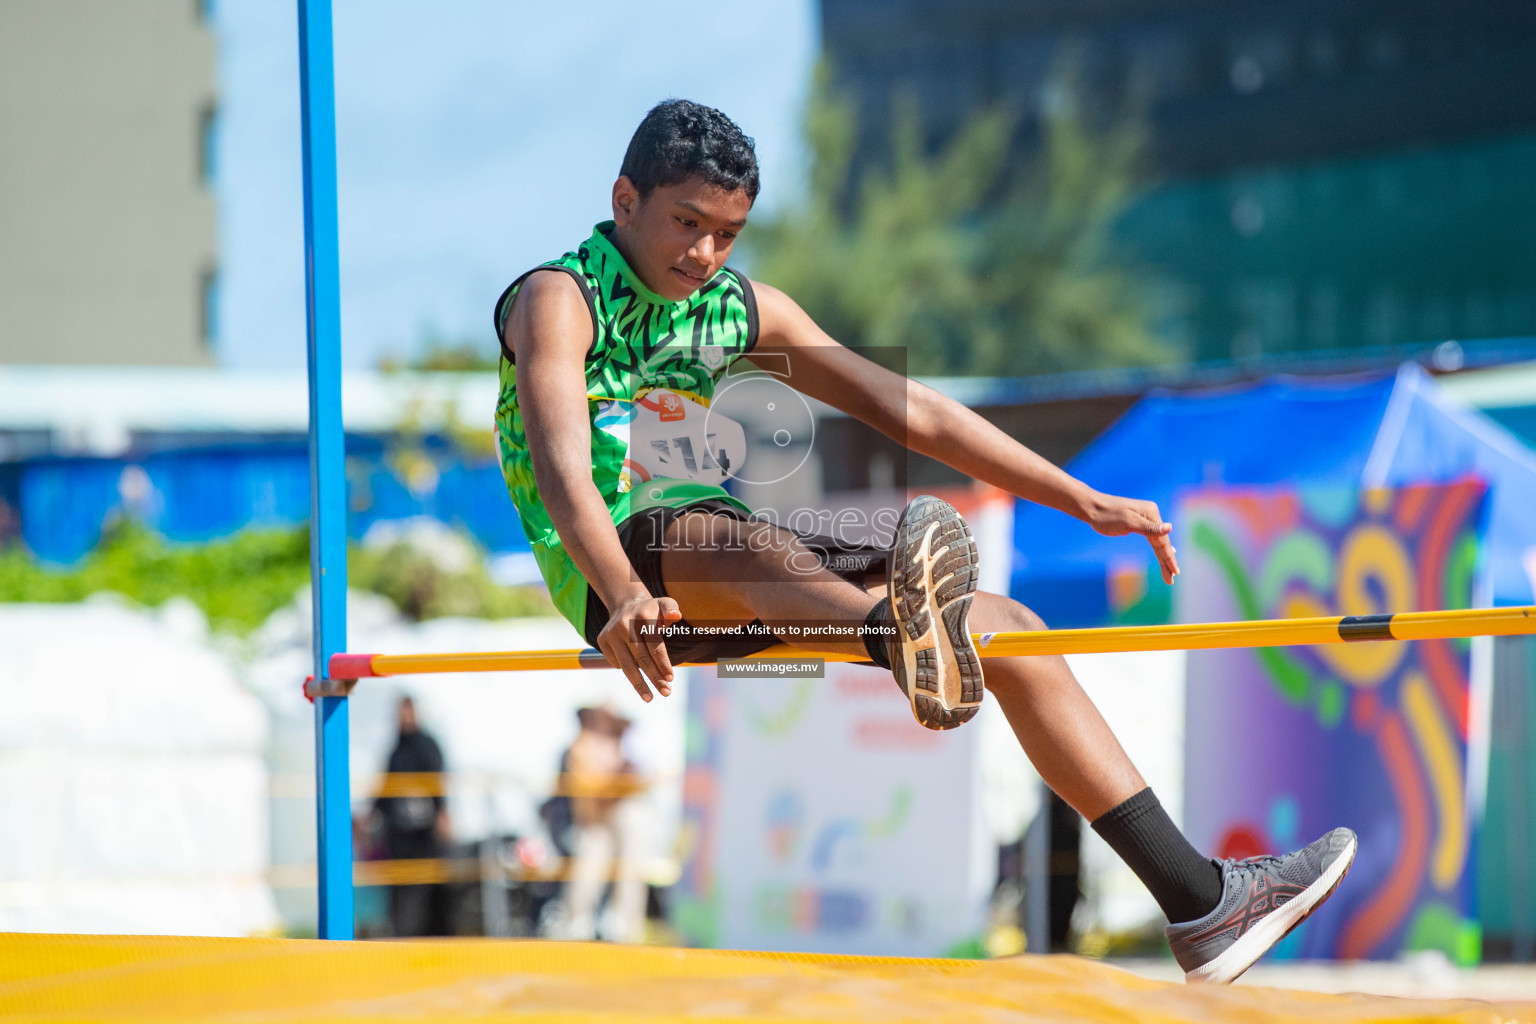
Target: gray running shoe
(933,577)
(1262,899)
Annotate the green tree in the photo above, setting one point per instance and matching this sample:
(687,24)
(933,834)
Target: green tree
(969,260)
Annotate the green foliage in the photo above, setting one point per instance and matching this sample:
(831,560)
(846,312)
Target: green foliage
(237,582)
(421,589)
(240,580)
(970,262)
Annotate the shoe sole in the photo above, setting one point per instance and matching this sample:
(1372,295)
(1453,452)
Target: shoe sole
(1259,939)
(933,579)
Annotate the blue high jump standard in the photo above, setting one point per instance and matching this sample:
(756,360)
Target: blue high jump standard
(327,466)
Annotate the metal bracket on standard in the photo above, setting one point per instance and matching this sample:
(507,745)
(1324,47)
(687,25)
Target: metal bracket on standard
(328,687)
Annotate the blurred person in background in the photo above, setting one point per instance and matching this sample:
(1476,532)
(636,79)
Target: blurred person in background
(414,816)
(609,829)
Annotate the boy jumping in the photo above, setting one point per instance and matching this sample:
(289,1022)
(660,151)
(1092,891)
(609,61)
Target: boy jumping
(615,459)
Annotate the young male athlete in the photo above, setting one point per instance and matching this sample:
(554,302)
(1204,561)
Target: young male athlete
(615,460)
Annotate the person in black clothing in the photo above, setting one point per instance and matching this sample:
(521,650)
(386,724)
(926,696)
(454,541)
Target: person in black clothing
(415,823)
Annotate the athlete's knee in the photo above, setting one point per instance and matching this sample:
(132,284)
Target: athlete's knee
(1006,614)
(1028,620)
(997,613)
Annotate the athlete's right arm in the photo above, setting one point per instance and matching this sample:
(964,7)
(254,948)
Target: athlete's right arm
(548,330)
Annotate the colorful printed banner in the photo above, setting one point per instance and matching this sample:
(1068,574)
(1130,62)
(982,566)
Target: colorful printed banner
(820,817)
(1283,744)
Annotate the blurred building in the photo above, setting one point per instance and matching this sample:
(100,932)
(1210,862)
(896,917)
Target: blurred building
(107,121)
(1329,174)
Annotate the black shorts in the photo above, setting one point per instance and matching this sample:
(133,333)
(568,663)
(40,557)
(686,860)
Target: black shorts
(852,562)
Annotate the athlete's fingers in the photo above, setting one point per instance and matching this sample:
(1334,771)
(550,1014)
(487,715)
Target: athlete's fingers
(1148,520)
(620,658)
(644,647)
(1167,560)
(662,664)
(658,666)
(668,613)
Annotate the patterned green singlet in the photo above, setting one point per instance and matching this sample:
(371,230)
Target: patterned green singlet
(641,342)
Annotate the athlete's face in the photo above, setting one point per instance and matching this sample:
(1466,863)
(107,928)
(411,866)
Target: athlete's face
(679,235)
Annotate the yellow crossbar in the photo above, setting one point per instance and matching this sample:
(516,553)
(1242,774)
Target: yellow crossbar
(1438,625)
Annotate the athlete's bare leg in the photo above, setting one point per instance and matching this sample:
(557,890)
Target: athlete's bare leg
(715,575)
(1061,730)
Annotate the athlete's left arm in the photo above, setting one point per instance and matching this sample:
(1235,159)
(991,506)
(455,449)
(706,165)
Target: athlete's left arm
(932,424)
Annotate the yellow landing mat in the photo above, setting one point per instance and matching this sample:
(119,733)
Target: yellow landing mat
(127,978)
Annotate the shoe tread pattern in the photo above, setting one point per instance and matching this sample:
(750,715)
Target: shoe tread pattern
(954,575)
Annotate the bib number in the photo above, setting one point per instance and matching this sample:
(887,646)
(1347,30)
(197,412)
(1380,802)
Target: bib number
(671,435)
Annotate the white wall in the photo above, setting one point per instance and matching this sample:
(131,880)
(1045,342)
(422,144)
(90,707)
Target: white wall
(133,795)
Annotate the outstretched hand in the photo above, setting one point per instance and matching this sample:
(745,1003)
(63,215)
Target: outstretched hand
(632,643)
(1118,517)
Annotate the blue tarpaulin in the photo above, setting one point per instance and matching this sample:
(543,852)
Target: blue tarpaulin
(1380,431)
(196,495)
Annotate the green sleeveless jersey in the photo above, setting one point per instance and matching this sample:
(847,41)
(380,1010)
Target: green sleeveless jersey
(641,342)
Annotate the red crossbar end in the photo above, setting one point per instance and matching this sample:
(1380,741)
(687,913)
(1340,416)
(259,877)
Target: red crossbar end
(352,666)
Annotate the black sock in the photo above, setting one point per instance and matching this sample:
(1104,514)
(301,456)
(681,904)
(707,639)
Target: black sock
(874,642)
(1186,885)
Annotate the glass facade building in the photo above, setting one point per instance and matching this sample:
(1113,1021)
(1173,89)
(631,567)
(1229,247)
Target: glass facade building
(1324,175)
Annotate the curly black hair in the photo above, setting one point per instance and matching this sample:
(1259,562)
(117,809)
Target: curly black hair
(680,139)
